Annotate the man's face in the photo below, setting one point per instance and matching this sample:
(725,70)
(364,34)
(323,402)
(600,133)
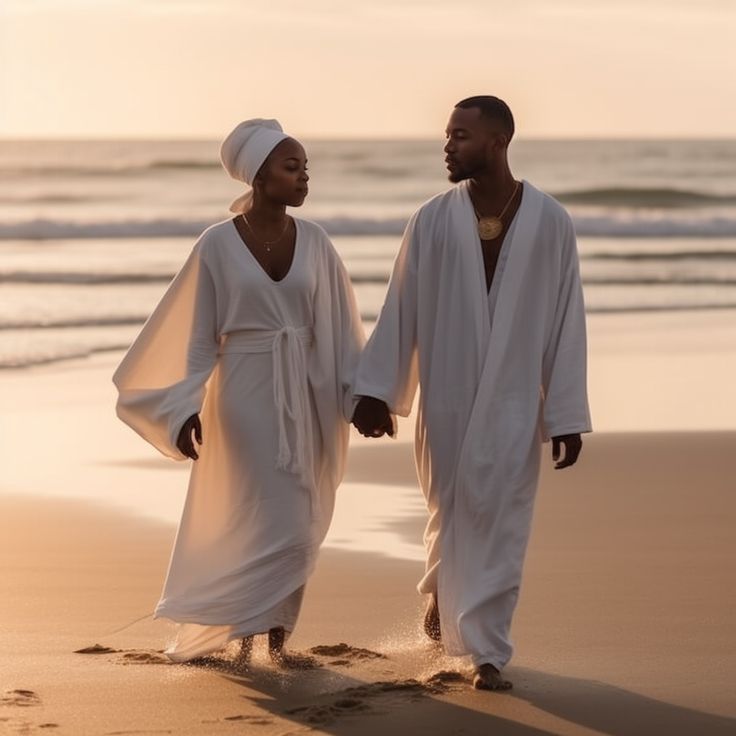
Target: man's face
(470,144)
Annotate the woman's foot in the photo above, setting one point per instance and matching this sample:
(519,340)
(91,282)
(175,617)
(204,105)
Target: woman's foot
(243,657)
(432,619)
(287,660)
(487,677)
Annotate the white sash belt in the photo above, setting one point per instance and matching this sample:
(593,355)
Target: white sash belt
(288,346)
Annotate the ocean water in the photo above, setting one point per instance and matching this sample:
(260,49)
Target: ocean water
(92,232)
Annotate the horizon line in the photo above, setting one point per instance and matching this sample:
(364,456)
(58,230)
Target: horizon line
(364,139)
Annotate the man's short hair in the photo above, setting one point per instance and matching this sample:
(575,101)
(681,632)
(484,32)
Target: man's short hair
(492,108)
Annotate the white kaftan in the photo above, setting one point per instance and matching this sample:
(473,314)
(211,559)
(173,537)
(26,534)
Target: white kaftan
(499,373)
(270,365)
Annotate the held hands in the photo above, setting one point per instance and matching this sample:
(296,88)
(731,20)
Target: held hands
(372,418)
(184,440)
(573,445)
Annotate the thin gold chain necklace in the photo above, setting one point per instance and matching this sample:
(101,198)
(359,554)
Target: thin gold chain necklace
(266,243)
(489,228)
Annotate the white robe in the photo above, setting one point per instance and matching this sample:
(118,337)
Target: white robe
(499,373)
(270,366)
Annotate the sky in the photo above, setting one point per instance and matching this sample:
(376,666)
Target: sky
(366,69)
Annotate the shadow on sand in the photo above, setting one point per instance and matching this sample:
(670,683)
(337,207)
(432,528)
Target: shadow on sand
(333,702)
(610,709)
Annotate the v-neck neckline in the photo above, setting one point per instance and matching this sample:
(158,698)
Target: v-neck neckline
(479,243)
(245,245)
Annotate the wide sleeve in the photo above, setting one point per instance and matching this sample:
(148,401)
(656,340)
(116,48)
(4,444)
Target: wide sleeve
(337,310)
(161,380)
(388,366)
(338,339)
(564,368)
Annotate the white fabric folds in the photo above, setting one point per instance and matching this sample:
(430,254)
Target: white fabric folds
(244,151)
(288,347)
(499,373)
(268,365)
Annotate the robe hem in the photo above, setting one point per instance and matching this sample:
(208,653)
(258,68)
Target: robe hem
(567,429)
(183,618)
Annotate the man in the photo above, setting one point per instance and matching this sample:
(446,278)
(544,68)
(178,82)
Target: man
(485,312)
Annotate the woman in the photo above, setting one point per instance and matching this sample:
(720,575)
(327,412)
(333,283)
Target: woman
(259,334)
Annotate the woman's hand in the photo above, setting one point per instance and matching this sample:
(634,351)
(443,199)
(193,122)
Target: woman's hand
(184,440)
(372,418)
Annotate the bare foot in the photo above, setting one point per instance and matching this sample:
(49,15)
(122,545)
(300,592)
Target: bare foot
(246,651)
(287,660)
(432,619)
(487,677)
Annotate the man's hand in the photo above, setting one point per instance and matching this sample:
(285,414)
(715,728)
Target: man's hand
(573,445)
(184,440)
(372,418)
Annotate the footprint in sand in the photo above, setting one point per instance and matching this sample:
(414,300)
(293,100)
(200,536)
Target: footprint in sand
(446,678)
(130,656)
(136,657)
(350,704)
(252,720)
(22,698)
(327,713)
(130,733)
(359,699)
(316,715)
(96,649)
(323,715)
(345,653)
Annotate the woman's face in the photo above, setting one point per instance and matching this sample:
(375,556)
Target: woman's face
(283,177)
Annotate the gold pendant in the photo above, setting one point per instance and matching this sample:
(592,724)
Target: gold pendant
(489,228)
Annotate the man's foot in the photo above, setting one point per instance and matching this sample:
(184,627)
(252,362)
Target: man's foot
(487,677)
(432,619)
(243,657)
(287,660)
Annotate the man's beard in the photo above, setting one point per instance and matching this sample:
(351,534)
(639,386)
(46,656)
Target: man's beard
(461,174)
(458,175)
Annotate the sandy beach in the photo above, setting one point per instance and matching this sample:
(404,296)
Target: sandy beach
(624,626)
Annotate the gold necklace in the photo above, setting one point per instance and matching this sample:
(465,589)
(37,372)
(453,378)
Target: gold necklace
(266,243)
(489,228)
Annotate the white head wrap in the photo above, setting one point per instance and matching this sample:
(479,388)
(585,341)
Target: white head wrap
(245,149)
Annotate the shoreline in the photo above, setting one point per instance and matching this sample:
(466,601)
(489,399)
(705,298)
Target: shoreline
(681,312)
(656,374)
